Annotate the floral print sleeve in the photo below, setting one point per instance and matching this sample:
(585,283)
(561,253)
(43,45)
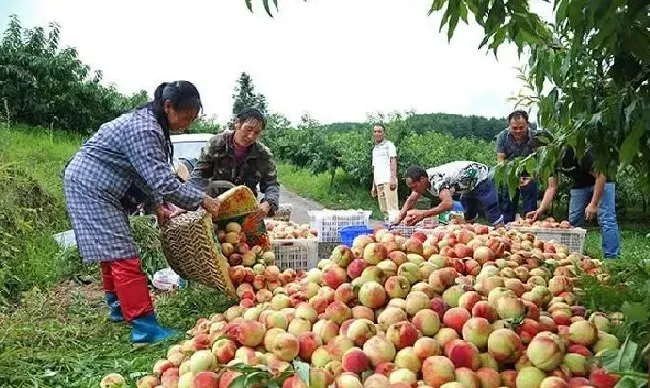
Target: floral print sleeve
(460,177)
(439,182)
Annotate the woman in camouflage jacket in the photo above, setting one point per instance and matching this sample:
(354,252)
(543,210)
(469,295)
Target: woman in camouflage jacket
(239,158)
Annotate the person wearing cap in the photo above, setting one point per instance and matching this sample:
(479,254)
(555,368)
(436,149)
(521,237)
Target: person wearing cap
(518,140)
(471,180)
(593,195)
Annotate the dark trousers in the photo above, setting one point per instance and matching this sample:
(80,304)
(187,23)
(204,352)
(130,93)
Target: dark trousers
(528,195)
(483,196)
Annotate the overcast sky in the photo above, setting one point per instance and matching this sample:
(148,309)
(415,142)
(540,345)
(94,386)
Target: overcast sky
(336,59)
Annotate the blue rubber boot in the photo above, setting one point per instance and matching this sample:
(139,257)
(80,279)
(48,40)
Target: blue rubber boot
(115,313)
(146,329)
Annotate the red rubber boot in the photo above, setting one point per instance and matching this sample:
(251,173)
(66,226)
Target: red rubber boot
(133,293)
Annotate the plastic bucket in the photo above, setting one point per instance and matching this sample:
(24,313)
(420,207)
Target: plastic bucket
(348,233)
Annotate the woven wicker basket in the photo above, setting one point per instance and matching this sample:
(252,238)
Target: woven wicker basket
(191,250)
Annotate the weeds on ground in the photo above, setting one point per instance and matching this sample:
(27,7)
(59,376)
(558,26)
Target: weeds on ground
(33,209)
(26,249)
(185,306)
(62,337)
(70,266)
(146,236)
(625,290)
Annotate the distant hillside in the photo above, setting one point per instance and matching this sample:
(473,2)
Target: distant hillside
(453,124)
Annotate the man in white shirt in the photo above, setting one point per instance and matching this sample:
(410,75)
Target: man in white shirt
(384,165)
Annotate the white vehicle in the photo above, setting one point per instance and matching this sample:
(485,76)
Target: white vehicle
(188,146)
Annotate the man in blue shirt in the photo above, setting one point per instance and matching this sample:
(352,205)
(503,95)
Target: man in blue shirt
(518,140)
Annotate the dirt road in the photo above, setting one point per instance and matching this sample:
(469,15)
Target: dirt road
(299,205)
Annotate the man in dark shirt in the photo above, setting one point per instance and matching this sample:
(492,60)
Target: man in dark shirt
(592,195)
(518,140)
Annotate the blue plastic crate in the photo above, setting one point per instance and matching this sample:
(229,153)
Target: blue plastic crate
(348,233)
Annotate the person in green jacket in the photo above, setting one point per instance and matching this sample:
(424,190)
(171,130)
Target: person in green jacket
(240,158)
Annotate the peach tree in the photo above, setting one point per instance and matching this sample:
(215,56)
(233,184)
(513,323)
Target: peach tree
(587,74)
(42,83)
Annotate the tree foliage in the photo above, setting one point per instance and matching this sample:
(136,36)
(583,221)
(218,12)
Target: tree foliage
(478,127)
(204,125)
(44,84)
(459,125)
(244,96)
(587,73)
(266,4)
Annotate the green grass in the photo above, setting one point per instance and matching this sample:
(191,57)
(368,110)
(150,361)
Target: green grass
(31,160)
(55,331)
(344,194)
(635,241)
(42,153)
(61,337)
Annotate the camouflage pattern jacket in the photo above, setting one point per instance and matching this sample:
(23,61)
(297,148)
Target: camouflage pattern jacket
(217,163)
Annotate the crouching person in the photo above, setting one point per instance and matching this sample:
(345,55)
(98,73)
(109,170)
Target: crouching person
(469,179)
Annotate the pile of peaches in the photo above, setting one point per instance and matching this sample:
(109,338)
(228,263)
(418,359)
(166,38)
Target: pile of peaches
(462,306)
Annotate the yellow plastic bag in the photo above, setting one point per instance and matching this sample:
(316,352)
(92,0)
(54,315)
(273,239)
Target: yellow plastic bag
(237,205)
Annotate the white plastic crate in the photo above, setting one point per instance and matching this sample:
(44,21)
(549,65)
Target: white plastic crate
(329,222)
(427,231)
(299,254)
(573,238)
(407,231)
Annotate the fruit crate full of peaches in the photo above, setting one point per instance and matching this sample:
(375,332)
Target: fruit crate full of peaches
(283,213)
(294,246)
(328,223)
(550,230)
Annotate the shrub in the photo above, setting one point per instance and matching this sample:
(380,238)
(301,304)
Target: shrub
(44,84)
